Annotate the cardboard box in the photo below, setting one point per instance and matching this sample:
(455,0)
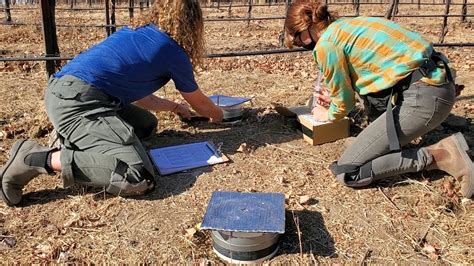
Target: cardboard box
(316,132)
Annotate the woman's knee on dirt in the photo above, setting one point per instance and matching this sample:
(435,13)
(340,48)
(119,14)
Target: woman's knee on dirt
(353,175)
(130,180)
(147,130)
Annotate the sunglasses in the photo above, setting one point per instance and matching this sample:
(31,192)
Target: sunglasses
(297,39)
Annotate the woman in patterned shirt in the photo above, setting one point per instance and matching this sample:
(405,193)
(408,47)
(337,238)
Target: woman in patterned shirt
(377,59)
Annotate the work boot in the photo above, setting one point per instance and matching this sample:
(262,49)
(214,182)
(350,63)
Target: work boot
(449,155)
(27,160)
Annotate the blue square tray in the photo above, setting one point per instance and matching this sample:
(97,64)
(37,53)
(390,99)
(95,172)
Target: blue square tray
(245,212)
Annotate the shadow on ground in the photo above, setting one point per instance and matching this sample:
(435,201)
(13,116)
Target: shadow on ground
(45,196)
(306,233)
(255,130)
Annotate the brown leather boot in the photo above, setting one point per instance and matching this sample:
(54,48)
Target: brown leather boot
(21,168)
(449,155)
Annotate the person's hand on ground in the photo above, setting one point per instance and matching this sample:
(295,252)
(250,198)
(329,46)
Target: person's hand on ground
(182,110)
(218,117)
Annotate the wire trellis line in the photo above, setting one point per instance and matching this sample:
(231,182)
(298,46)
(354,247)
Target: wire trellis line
(214,55)
(233,6)
(48,10)
(226,19)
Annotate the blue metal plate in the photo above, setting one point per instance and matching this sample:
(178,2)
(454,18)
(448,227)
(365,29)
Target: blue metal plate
(245,212)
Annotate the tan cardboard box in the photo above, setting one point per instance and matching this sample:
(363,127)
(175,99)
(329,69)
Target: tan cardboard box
(316,132)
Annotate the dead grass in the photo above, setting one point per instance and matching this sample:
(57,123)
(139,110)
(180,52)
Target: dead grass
(413,219)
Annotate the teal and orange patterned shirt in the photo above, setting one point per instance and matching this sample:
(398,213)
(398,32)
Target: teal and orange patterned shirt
(366,55)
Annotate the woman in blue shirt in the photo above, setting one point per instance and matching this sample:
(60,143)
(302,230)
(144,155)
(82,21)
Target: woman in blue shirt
(98,104)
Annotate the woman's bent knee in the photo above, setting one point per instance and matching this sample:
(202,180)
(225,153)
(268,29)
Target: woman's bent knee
(130,180)
(352,175)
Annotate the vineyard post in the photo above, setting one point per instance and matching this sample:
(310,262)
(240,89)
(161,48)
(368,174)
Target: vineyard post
(49,34)
(107,18)
(112,17)
(131,3)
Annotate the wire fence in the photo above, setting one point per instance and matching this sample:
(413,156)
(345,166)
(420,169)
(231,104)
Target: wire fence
(230,20)
(3,7)
(213,55)
(52,58)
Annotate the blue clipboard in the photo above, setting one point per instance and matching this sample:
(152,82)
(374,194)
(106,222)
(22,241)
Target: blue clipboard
(173,159)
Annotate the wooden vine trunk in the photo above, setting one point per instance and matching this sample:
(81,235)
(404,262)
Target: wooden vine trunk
(464,11)
(8,15)
(444,29)
(249,12)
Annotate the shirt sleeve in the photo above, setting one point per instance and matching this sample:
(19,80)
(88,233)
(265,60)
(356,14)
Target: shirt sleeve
(332,63)
(180,70)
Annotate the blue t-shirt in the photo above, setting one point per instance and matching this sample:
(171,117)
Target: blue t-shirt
(133,63)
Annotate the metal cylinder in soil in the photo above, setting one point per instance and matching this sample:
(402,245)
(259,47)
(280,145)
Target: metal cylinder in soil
(233,113)
(244,248)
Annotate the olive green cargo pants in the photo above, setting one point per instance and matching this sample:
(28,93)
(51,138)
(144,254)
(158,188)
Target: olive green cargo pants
(101,144)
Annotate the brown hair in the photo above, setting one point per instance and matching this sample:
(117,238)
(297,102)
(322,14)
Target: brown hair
(304,13)
(183,21)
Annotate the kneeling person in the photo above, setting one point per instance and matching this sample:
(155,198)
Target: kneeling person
(377,58)
(98,103)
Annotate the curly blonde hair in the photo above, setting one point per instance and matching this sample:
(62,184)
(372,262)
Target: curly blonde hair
(305,13)
(183,21)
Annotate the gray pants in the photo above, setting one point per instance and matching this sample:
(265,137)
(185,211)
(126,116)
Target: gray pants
(422,108)
(100,135)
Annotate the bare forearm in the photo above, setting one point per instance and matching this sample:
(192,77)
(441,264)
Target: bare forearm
(155,103)
(207,108)
(203,105)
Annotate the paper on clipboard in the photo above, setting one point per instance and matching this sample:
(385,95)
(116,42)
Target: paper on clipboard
(173,159)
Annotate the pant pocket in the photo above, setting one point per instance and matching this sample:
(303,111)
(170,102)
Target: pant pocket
(68,88)
(441,110)
(109,127)
(64,91)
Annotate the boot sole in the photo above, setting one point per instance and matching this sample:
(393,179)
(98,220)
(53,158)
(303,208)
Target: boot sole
(13,153)
(463,147)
